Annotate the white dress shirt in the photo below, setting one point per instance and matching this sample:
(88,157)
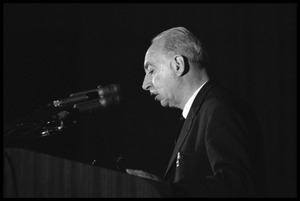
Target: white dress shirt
(188,104)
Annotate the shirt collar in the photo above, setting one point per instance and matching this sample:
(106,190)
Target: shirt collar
(188,105)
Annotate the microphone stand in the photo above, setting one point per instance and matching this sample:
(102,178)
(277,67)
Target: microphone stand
(55,118)
(63,113)
(42,123)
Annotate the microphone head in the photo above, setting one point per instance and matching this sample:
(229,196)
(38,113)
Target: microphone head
(102,103)
(109,95)
(108,90)
(110,100)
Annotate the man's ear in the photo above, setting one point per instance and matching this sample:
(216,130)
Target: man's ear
(179,65)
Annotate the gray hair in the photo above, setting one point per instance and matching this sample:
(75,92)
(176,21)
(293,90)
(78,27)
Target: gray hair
(179,40)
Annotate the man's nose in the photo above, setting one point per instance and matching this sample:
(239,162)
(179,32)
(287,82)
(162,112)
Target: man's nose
(147,83)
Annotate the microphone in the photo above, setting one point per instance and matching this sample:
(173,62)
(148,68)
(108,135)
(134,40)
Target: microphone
(99,93)
(102,103)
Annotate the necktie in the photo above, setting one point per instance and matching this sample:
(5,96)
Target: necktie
(179,126)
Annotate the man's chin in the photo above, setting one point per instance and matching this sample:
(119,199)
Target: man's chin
(164,103)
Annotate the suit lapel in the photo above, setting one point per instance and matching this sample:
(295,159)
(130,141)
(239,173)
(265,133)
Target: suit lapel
(188,122)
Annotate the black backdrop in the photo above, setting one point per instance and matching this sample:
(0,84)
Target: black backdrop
(53,50)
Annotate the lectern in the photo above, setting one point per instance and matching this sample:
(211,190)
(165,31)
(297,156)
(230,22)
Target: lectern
(28,173)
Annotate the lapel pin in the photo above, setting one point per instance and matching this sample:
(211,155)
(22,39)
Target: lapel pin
(178,158)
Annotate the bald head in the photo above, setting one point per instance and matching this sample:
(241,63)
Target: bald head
(179,40)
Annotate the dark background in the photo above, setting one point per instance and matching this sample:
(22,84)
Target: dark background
(53,50)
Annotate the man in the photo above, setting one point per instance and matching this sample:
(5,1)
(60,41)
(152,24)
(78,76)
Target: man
(219,149)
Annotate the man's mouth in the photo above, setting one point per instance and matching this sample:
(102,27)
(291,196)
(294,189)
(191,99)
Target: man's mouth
(155,95)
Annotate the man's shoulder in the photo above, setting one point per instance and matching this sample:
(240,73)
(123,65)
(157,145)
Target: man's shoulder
(220,96)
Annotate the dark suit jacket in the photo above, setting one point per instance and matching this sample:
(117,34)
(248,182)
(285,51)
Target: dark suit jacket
(220,147)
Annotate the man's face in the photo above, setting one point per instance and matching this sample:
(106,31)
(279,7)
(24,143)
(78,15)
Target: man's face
(160,78)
